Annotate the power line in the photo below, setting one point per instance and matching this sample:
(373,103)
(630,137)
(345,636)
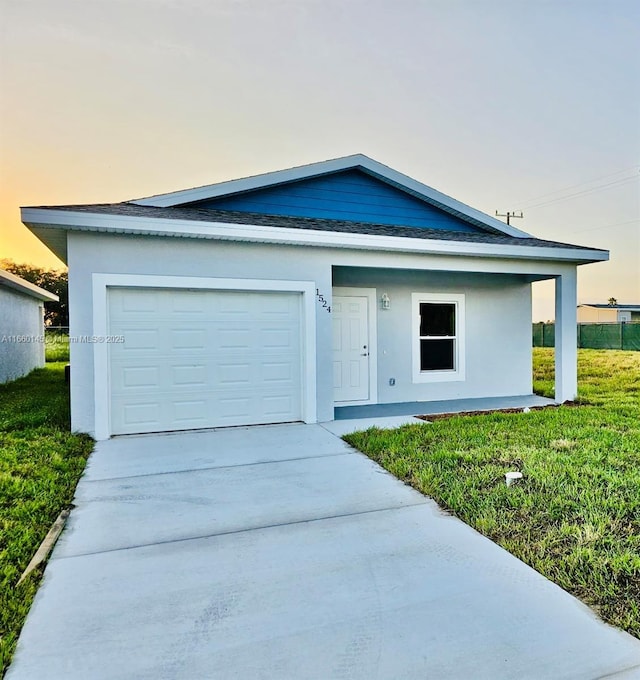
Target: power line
(610,185)
(606,226)
(573,186)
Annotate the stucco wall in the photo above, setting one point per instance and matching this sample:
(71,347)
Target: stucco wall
(498,306)
(497,332)
(20,315)
(88,253)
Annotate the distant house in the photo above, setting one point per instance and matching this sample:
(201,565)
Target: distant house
(284,296)
(605,313)
(21,326)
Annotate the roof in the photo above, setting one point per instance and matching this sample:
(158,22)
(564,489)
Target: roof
(192,213)
(355,162)
(632,308)
(19,284)
(318,224)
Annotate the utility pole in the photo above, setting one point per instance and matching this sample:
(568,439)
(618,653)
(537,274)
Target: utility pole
(509,215)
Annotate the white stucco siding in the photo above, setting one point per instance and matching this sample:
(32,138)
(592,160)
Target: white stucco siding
(107,254)
(20,315)
(497,332)
(497,302)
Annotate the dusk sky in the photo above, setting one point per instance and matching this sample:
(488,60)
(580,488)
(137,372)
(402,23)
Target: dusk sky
(502,104)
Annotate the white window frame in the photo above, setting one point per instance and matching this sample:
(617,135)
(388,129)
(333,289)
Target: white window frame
(447,375)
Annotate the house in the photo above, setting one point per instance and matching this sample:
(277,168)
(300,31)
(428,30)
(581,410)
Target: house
(21,326)
(606,313)
(282,296)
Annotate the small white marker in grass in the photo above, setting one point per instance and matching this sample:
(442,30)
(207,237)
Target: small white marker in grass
(512,477)
(526,409)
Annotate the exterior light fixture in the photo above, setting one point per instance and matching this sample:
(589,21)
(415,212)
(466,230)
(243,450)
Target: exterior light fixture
(385,301)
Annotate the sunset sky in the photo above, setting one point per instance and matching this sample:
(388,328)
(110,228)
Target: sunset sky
(502,104)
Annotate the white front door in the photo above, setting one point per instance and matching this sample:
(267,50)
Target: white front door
(350,348)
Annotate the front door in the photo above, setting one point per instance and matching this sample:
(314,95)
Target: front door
(350,348)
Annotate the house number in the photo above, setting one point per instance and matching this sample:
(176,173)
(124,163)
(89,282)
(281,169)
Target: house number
(323,301)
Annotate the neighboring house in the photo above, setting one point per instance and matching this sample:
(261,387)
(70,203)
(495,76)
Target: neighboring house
(605,313)
(278,297)
(21,326)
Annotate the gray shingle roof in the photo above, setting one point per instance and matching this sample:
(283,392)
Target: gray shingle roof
(317,224)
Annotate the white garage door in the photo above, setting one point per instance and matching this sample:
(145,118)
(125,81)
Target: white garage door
(194,359)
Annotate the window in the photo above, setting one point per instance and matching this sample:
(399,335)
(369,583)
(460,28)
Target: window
(438,337)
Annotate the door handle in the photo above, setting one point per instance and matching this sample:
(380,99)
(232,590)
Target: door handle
(366,354)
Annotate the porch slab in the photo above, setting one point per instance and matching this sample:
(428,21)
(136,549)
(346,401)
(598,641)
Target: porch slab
(342,427)
(418,408)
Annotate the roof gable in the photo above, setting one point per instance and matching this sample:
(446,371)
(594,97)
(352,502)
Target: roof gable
(349,195)
(467,217)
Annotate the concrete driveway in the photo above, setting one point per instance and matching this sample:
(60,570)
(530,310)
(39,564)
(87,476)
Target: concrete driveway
(279,552)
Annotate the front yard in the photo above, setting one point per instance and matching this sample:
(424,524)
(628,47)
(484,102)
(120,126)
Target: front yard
(575,517)
(40,464)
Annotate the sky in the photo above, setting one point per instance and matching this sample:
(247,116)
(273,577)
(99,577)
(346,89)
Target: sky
(505,105)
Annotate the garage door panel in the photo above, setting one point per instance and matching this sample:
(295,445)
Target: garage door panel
(277,372)
(188,306)
(277,406)
(138,339)
(141,414)
(140,376)
(191,375)
(138,302)
(188,338)
(204,359)
(190,412)
(231,339)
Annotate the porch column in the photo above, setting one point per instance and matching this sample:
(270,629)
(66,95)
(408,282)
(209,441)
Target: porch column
(566,344)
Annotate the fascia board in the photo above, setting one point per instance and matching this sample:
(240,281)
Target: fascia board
(68,220)
(262,181)
(324,167)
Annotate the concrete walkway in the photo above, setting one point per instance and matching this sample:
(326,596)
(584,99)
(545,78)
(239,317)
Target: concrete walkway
(279,552)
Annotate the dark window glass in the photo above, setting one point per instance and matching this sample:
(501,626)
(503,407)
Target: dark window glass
(436,355)
(437,319)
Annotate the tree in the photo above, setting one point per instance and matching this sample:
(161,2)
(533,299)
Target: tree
(55,281)
(612,302)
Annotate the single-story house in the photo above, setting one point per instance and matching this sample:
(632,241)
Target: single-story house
(282,296)
(21,326)
(606,313)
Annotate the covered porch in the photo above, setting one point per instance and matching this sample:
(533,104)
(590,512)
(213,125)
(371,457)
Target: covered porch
(492,342)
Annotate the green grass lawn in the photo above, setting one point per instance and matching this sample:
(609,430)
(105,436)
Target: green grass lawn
(56,346)
(40,464)
(576,515)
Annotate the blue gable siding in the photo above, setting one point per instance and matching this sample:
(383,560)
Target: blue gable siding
(349,195)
